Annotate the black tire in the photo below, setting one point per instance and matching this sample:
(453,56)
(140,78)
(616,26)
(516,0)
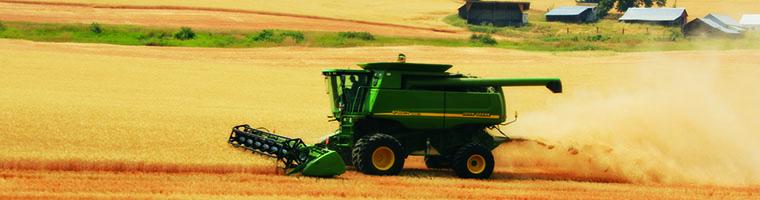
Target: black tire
(369,145)
(437,162)
(468,159)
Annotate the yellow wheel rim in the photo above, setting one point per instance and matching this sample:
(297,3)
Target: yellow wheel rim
(383,158)
(476,164)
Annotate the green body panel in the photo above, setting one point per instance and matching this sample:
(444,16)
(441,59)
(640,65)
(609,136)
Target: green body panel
(430,111)
(464,108)
(413,109)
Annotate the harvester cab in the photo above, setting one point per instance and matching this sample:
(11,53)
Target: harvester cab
(347,90)
(388,111)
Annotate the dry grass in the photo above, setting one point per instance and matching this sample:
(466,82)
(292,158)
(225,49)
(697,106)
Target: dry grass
(103,121)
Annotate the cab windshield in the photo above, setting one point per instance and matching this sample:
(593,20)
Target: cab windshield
(347,91)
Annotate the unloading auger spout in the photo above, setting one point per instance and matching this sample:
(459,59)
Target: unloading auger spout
(296,156)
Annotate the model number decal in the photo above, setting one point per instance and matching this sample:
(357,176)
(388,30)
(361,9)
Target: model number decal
(451,115)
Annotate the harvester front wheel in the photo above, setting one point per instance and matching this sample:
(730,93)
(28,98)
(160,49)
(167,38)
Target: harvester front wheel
(378,154)
(473,161)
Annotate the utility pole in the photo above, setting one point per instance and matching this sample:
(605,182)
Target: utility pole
(675,4)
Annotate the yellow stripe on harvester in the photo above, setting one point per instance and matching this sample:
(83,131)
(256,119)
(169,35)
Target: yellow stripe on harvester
(451,115)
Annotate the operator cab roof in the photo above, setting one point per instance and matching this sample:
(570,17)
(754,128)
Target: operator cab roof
(343,71)
(399,66)
(423,69)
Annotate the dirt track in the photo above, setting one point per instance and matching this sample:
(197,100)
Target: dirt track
(204,18)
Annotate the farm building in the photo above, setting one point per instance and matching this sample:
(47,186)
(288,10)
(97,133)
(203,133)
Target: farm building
(498,13)
(714,25)
(578,14)
(751,21)
(661,16)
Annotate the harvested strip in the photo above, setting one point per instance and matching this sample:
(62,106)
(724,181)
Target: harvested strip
(125,166)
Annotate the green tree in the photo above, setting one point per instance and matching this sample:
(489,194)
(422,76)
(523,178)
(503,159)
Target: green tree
(95,28)
(605,6)
(185,33)
(484,38)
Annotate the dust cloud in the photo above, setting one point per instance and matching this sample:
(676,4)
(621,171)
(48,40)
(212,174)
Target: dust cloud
(682,121)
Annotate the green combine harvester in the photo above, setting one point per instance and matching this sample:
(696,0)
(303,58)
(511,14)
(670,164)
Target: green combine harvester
(390,110)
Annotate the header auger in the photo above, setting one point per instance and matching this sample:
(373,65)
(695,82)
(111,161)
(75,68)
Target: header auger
(390,110)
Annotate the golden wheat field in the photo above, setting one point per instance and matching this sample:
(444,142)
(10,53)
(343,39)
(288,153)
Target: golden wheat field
(423,13)
(102,121)
(95,121)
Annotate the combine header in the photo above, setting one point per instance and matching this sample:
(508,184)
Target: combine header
(293,153)
(390,110)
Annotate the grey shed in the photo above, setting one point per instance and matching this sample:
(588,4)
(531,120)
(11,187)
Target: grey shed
(577,14)
(724,20)
(713,25)
(661,16)
(498,13)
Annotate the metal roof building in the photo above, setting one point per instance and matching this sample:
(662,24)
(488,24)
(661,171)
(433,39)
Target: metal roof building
(724,20)
(662,16)
(572,14)
(498,13)
(751,21)
(713,25)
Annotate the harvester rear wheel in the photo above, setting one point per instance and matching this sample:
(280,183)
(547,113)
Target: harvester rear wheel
(436,162)
(378,154)
(473,161)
